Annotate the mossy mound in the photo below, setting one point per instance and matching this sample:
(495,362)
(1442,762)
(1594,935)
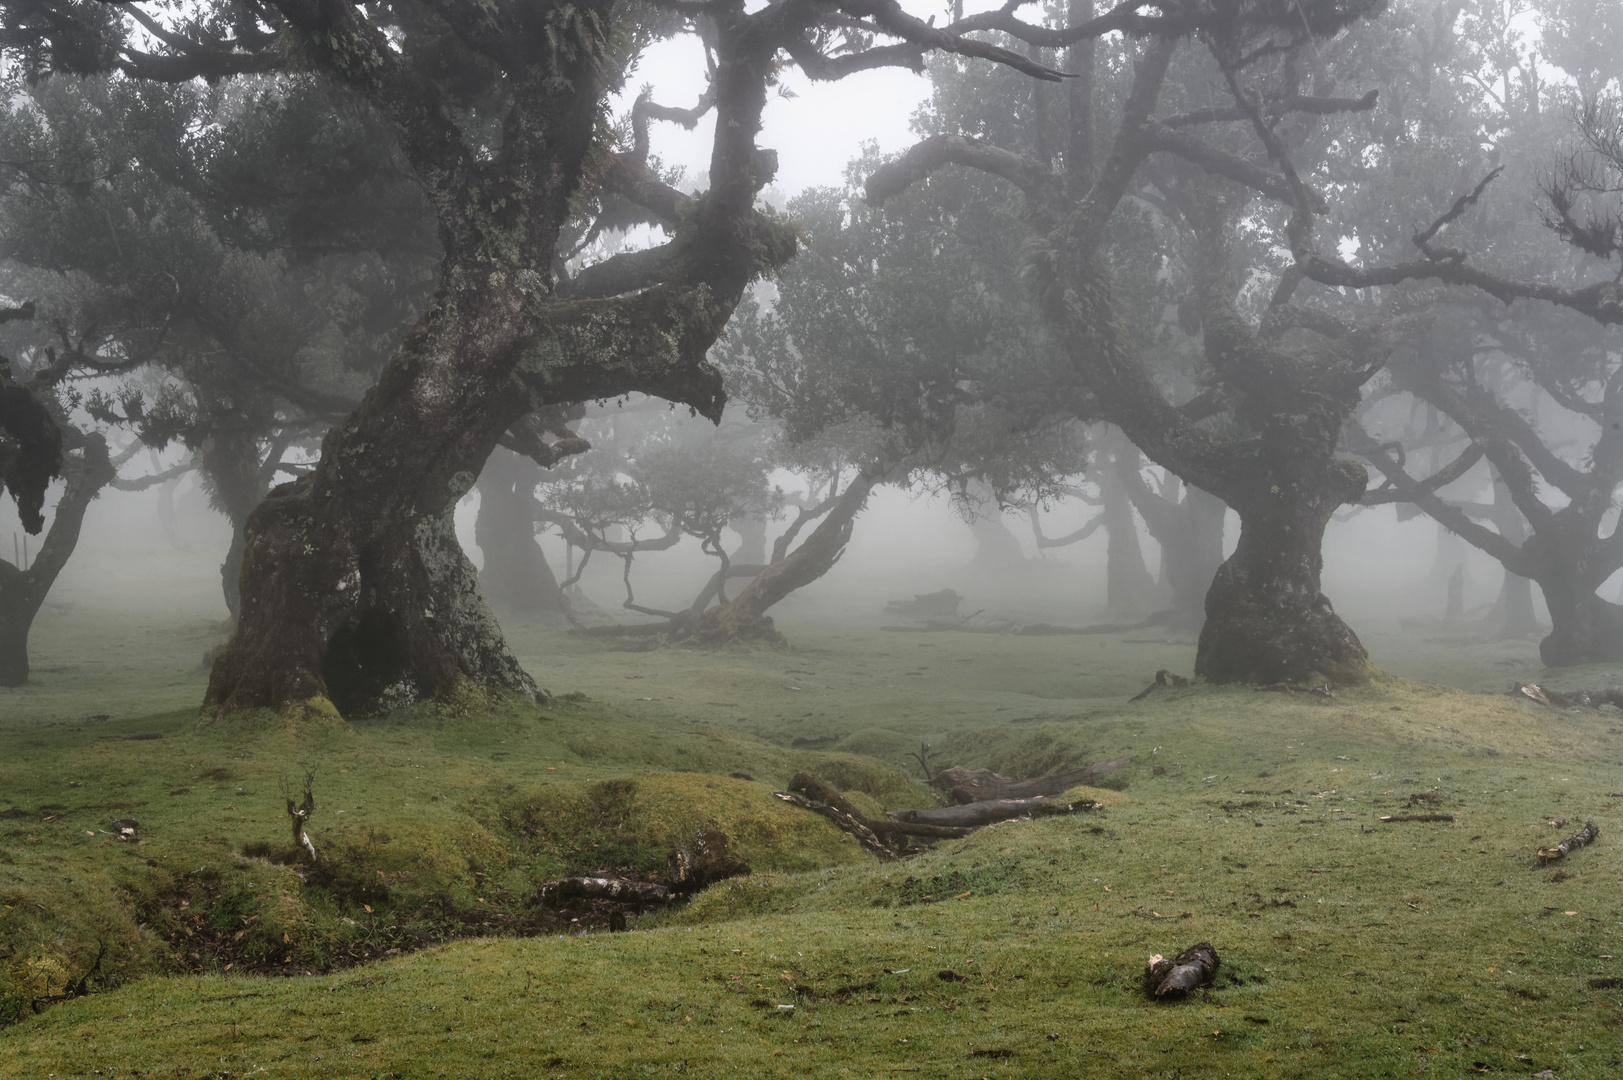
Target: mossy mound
(632,823)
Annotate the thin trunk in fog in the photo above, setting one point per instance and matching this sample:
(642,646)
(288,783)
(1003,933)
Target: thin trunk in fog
(1129,588)
(1188,524)
(87,469)
(997,550)
(515,574)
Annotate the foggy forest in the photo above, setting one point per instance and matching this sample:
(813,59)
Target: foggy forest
(811,538)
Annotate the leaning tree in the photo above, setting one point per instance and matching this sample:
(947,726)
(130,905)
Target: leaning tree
(353,585)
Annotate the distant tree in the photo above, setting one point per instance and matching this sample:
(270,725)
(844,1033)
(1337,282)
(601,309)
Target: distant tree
(1257,424)
(353,584)
(1529,394)
(255,246)
(83,462)
(867,355)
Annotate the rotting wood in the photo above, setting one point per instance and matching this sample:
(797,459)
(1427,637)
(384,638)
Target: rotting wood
(1162,678)
(1582,838)
(707,861)
(1191,969)
(1417,817)
(980,785)
(625,890)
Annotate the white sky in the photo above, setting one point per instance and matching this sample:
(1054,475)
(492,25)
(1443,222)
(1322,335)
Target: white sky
(817,132)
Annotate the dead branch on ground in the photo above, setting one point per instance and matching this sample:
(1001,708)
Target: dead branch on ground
(1582,838)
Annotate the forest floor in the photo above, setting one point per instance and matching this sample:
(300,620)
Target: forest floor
(1351,946)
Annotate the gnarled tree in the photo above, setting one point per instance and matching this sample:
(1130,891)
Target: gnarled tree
(353,585)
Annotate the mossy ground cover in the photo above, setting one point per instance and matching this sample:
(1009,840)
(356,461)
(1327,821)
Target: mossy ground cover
(1351,947)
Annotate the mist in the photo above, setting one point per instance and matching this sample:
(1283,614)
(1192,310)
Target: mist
(810,539)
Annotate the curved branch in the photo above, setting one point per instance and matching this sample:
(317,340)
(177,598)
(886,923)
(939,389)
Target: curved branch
(938,151)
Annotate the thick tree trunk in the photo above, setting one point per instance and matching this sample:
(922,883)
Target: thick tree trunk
(1266,619)
(1584,629)
(515,575)
(745,617)
(86,472)
(354,587)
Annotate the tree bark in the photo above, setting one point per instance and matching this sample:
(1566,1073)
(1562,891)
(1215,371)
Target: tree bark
(1584,629)
(23,591)
(515,575)
(745,617)
(1266,619)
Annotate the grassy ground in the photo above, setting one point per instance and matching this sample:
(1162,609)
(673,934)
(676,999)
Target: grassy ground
(1351,947)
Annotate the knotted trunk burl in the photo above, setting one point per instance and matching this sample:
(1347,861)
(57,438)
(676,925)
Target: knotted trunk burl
(1266,619)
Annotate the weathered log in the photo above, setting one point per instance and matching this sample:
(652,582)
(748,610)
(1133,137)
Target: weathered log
(687,870)
(1582,838)
(607,888)
(1588,699)
(818,791)
(1191,969)
(846,822)
(980,785)
(1418,817)
(967,816)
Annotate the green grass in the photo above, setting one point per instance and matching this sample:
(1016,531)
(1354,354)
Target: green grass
(1350,947)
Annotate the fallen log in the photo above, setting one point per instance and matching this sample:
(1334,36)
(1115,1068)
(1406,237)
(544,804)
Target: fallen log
(1588,699)
(1418,817)
(979,785)
(850,823)
(818,791)
(1582,838)
(1191,969)
(607,888)
(967,816)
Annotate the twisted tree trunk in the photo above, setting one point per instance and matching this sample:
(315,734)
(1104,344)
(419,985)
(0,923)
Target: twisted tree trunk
(87,471)
(1266,619)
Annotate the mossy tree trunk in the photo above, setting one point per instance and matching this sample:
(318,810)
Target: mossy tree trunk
(87,469)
